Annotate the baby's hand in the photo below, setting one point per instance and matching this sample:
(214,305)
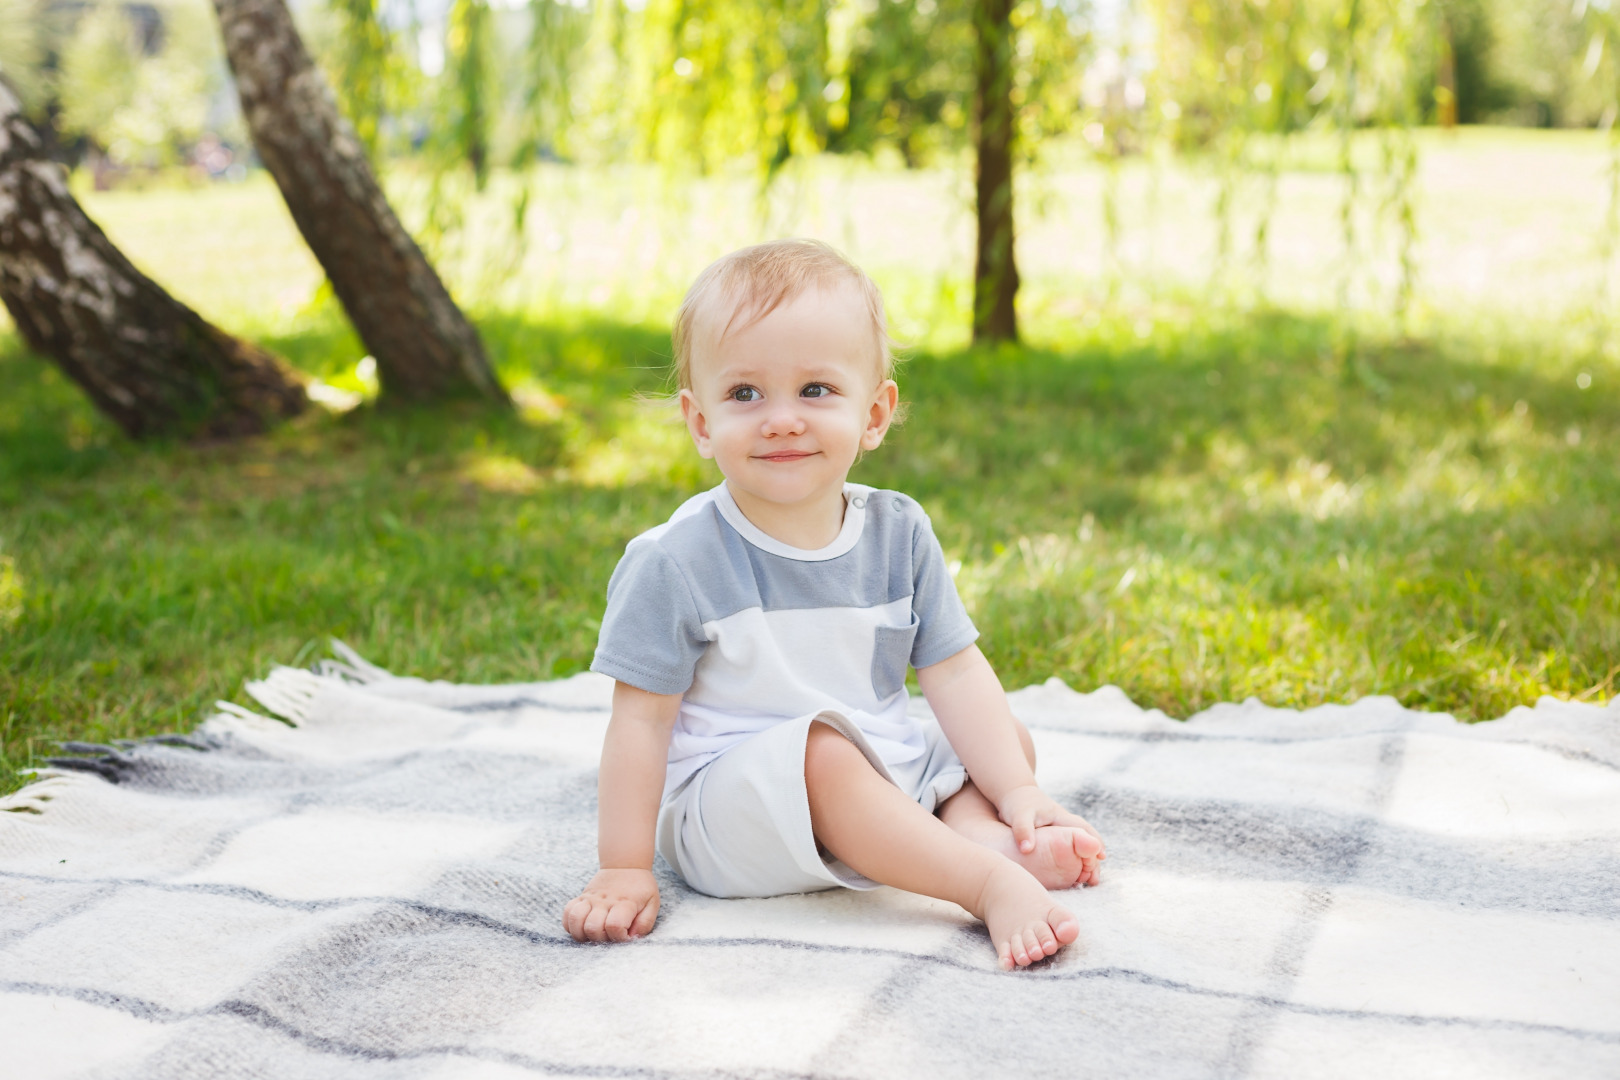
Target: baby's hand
(617,905)
(1025,809)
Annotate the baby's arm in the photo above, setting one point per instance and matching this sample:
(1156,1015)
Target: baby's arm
(621,902)
(972,710)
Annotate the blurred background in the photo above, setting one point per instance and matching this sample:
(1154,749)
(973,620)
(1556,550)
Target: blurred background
(1311,394)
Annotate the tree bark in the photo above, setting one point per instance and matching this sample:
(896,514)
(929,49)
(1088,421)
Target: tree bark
(145,359)
(995,270)
(424,346)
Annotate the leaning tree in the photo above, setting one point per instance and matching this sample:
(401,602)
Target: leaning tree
(146,360)
(424,346)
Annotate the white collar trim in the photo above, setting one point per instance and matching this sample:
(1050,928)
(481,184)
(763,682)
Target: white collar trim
(855,496)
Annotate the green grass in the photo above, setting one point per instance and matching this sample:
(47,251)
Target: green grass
(1182,491)
(1212,511)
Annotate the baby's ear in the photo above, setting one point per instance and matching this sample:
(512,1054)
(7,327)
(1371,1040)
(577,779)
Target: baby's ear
(697,425)
(885,401)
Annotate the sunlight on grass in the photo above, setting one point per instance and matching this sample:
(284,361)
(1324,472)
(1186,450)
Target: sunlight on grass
(651,445)
(535,405)
(1186,626)
(11,591)
(500,473)
(1287,531)
(1196,497)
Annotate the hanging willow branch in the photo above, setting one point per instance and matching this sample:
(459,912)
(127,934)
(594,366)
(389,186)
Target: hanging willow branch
(1400,163)
(467,49)
(1346,117)
(360,67)
(1603,62)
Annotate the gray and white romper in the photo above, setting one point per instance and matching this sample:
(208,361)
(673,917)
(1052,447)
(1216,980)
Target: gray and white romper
(762,639)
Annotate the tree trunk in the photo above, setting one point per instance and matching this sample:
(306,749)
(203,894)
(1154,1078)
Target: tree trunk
(995,271)
(146,360)
(1445,80)
(424,346)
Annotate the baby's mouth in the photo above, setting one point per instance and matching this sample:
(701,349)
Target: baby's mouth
(786,455)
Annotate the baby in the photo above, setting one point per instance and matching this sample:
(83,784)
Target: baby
(760,739)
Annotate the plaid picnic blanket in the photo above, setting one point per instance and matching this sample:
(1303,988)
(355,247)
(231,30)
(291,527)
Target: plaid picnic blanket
(373,888)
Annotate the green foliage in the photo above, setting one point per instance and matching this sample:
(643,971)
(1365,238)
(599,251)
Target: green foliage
(904,75)
(903,78)
(143,105)
(558,33)
(468,44)
(768,80)
(1277,66)
(1234,80)
(1227,69)
(101,67)
(23,49)
(363,61)
(1472,34)
(722,80)
(1545,63)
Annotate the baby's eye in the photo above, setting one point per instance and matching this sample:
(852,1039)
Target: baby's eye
(745,393)
(816,390)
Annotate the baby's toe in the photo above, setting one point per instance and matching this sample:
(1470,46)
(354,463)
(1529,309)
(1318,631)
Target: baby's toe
(1046,939)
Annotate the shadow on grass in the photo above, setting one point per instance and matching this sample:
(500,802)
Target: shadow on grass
(1215,511)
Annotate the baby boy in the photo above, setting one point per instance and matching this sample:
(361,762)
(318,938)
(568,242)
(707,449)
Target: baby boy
(759,640)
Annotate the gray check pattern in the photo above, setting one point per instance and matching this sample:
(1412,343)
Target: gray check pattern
(371,887)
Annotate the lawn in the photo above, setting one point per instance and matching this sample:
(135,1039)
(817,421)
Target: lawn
(1195,498)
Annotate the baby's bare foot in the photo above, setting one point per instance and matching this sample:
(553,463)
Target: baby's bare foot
(1064,856)
(1024,924)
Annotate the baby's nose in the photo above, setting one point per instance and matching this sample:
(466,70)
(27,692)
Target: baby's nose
(783,421)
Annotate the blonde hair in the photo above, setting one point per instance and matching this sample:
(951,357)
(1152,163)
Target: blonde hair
(757,280)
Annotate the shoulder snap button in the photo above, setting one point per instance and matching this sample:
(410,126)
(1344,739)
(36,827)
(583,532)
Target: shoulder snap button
(858,502)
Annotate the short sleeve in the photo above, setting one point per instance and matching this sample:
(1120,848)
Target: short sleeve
(943,626)
(651,634)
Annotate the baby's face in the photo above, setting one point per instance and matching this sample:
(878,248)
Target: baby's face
(785,406)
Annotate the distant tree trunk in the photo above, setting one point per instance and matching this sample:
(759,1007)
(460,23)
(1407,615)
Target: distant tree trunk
(145,359)
(424,346)
(1445,80)
(995,271)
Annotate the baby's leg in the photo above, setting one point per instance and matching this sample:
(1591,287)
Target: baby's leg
(877,831)
(1064,855)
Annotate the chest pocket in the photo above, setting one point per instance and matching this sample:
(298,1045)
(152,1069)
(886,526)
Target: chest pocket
(891,654)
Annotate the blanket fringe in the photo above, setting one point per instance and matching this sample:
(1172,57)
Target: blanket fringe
(244,717)
(350,666)
(231,708)
(287,692)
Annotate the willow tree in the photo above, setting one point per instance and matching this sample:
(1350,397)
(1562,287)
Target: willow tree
(425,348)
(504,97)
(707,83)
(146,360)
(775,79)
(1242,76)
(1600,70)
